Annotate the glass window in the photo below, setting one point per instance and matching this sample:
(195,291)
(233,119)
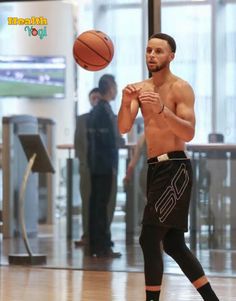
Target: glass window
(193,56)
(124,26)
(127,62)
(228,125)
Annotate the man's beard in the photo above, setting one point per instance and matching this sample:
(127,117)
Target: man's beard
(157,68)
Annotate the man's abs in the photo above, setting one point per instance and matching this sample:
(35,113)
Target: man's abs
(161,142)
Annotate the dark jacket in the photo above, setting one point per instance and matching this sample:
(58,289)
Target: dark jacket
(102,141)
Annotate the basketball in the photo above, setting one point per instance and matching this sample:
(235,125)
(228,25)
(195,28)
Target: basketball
(93,50)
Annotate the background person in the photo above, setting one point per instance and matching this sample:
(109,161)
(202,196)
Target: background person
(103,164)
(81,150)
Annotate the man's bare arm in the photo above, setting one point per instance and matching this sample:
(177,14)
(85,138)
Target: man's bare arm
(182,122)
(129,108)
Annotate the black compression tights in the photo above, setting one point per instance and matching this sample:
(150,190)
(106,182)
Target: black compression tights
(174,245)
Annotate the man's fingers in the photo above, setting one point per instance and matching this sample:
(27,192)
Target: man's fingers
(151,96)
(132,89)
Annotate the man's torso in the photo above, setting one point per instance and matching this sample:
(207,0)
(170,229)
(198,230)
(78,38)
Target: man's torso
(159,137)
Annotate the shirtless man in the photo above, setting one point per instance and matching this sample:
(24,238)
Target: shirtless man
(167,105)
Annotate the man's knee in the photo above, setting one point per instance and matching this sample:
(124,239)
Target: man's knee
(173,248)
(168,247)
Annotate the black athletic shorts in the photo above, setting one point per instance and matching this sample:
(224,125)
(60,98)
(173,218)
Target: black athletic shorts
(169,183)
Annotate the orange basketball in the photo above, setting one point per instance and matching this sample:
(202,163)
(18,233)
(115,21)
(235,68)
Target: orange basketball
(93,50)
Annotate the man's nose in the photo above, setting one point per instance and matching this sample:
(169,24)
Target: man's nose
(152,53)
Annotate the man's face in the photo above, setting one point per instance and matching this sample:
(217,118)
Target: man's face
(94,98)
(158,55)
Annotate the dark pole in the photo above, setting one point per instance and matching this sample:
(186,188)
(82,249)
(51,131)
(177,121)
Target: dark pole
(154,18)
(150,17)
(69,185)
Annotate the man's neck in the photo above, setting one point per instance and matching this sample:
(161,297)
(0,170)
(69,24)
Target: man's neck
(161,77)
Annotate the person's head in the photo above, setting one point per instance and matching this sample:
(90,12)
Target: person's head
(160,51)
(94,96)
(108,87)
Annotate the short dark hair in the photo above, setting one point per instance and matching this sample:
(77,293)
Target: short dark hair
(94,90)
(166,37)
(105,83)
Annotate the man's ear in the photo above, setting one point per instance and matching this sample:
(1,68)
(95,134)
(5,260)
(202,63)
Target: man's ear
(172,56)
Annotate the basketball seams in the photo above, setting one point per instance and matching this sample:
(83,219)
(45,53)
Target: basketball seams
(105,59)
(97,35)
(86,63)
(95,60)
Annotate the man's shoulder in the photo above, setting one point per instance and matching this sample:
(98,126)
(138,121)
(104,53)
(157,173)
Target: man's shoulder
(180,83)
(181,88)
(82,119)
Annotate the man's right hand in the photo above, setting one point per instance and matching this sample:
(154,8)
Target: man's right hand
(129,93)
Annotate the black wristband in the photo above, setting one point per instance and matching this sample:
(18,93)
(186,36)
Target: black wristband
(162,109)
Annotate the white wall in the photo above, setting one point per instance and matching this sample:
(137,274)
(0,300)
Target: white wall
(59,41)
